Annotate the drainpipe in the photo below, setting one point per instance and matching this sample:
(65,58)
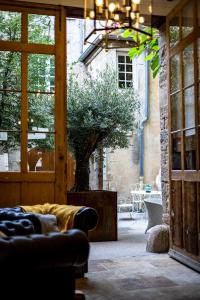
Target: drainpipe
(141,132)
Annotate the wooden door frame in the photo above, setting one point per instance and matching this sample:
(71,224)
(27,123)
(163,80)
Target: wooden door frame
(184,176)
(57,179)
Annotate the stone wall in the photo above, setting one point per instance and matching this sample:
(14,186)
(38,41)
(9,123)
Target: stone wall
(163,85)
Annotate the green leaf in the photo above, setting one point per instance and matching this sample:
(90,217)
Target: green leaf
(149,57)
(127,33)
(155,62)
(156,47)
(133,52)
(156,71)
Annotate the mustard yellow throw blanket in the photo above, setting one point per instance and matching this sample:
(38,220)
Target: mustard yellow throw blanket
(64,213)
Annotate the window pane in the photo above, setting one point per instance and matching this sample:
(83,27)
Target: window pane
(189,107)
(129,76)
(128,60)
(129,68)
(121,84)
(190,150)
(10,156)
(41,112)
(121,76)
(129,84)
(10,112)
(175,112)
(187,19)
(41,29)
(10,70)
(41,155)
(121,68)
(188,65)
(10,24)
(121,59)
(40,69)
(175,72)
(176,151)
(174,31)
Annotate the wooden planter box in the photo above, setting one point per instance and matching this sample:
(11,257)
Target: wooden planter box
(105,202)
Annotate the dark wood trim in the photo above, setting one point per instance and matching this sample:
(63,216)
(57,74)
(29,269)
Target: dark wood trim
(25,47)
(61,109)
(186,175)
(26,6)
(27,177)
(185,259)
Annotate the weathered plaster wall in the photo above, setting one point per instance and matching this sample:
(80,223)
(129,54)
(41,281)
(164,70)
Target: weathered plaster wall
(152,134)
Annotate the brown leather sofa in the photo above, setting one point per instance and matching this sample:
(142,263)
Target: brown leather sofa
(35,265)
(39,266)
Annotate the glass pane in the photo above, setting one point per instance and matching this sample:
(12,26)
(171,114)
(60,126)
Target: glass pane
(129,68)
(10,112)
(40,70)
(121,76)
(121,68)
(190,150)
(41,155)
(10,70)
(129,76)
(189,103)
(10,155)
(121,59)
(10,24)
(121,84)
(175,73)
(176,151)
(41,112)
(128,60)
(176,115)
(41,29)
(188,65)
(187,19)
(174,31)
(129,84)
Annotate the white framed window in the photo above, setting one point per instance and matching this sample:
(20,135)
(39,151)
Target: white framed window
(125,70)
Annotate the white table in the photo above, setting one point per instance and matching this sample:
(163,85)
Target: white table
(139,196)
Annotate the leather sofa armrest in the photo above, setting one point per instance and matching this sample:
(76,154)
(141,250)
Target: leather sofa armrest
(41,251)
(86,219)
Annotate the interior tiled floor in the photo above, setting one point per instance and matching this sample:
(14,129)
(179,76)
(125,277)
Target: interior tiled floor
(119,271)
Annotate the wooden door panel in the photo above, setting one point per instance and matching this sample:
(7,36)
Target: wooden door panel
(10,194)
(190,218)
(176,214)
(37,193)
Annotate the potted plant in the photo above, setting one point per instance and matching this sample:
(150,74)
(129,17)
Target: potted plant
(99,115)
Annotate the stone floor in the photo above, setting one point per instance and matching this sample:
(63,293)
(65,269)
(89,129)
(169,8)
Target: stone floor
(137,274)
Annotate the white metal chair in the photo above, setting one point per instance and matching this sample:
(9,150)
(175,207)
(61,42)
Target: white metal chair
(125,206)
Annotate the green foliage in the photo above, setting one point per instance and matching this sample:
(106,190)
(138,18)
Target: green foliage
(149,46)
(99,113)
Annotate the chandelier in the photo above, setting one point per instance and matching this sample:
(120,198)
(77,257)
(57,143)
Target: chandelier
(111,19)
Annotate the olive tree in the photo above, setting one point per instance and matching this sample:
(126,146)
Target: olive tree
(99,114)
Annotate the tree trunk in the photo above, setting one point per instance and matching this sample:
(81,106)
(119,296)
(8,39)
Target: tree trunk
(81,176)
